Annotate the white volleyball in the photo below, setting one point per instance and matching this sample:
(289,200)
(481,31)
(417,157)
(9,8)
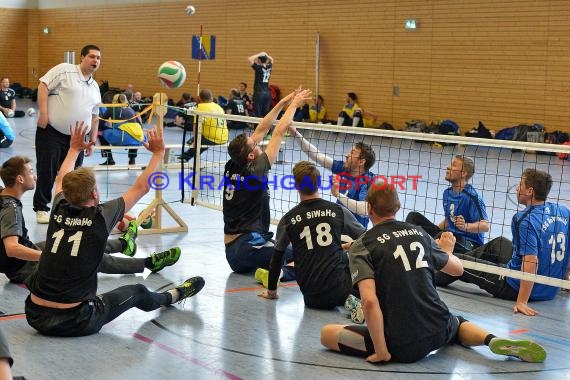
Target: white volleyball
(190,10)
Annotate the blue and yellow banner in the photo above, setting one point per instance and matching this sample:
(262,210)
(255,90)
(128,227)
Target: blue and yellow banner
(208,50)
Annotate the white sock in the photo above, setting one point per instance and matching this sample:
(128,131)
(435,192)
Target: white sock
(355,121)
(340,121)
(175,295)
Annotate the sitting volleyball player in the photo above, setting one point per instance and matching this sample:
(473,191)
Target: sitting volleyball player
(63,300)
(314,229)
(246,204)
(19,255)
(354,173)
(394,265)
(464,209)
(541,245)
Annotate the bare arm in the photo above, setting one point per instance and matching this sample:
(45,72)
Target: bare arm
(356,207)
(274,144)
(43,119)
(141,186)
(374,320)
(76,146)
(312,151)
(254,57)
(270,118)
(474,227)
(19,251)
(529,265)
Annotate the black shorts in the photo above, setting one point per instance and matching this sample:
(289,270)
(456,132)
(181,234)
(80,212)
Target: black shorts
(407,353)
(333,297)
(80,320)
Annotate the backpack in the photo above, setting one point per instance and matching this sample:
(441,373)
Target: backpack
(557,137)
(481,132)
(448,127)
(506,133)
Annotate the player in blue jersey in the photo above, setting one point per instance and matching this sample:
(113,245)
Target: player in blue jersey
(540,245)
(465,212)
(354,172)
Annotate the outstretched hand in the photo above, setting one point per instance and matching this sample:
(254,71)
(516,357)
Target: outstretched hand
(155,141)
(334,187)
(301,97)
(285,101)
(77,140)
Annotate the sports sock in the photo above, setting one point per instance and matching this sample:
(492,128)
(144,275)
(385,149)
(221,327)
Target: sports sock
(340,121)
(355,121)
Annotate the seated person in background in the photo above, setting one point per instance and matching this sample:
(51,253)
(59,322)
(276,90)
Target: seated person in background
(214,129)
(349,116)
(245,97)
(314,228)
(63,298)
(541,245)
(465,212)
(236,106)
(138,104)
(120,131)
(8,100)
(318,112)
(354,172)
(406,319)
(19,256)
(369,119)
(185,102)
(7,135)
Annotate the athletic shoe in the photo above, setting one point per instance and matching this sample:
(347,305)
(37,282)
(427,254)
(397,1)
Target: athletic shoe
(107,162)
(129,238)
(357,314)
(190,288)
(42,217)
(525,350)
(262,277)
(350,303)
(164,259)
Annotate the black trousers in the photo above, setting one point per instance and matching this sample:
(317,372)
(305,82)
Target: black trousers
(51,149)
(90,316)
(496,252)
(462,245)
(261,103)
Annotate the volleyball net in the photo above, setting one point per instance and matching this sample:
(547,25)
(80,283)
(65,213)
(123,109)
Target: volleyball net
(414,163)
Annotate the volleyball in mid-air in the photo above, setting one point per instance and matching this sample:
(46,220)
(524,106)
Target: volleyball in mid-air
(171,74)
(190,10)
(31,111)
